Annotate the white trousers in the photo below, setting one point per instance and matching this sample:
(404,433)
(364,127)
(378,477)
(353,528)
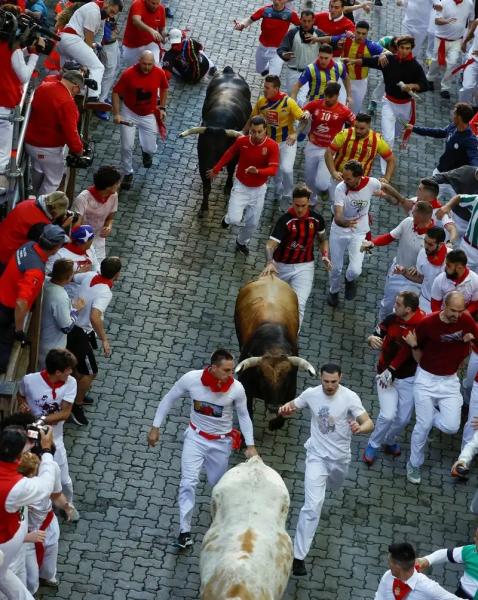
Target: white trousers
(113,58)
(452,57)
(71,46)
(130,56)
(394,284)
(300,277)
(359,89)
(245,209)
(468,430)
(378,92)
(147,132)
(10,585)
(396,408)
(469,380)
(343,240)
(320,473)
(62,461)
(433,392)
(467,91)
(48,166)
(425,304)
(471,254)
(316,174)
(267,58)
(49,563)
(289,78)
(392,114)
(197,453)
(6,133)
(284,180)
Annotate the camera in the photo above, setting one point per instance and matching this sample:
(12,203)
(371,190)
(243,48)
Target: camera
(34,430)
(76,161)
(303,33)
(24,30)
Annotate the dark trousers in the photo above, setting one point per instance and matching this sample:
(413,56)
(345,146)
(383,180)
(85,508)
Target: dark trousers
(460,592)
(7,329)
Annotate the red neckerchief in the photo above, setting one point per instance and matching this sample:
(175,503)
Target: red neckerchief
(329,66)
(363,182)
(422,230)
(400,589)
(208,380)
(458,1)
(97,195)
(407,58)
(53,386)
(435,203)
(74,248)
(276,98)
(438,258)
(462,278)
(292,212)
(100,279)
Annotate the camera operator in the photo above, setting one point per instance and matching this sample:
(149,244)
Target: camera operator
(53,124)
(16,71)
(16,493)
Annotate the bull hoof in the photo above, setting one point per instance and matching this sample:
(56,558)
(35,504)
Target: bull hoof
(276,423)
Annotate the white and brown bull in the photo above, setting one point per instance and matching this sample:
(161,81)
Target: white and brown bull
(247,553)
(267,323)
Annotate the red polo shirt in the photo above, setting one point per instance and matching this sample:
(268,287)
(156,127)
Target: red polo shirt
(330,26)
(140,90)
(15,227)
(134,37)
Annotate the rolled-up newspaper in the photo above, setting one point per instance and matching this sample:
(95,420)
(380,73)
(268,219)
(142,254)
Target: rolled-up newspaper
(401,85)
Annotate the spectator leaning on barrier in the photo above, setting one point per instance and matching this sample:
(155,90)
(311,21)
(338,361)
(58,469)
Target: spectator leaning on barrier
(98,205)
(26,222)
(53,124)
(20,284)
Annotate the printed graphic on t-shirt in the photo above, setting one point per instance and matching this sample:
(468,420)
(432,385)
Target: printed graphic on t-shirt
(47,406)
(457,336)
(142,95)
(359,203)
(272,118)
(208,409)
(326,422)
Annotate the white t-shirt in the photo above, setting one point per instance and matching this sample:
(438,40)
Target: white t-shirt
(43,400)
(429,272)
(423,588)
(356,203)
(417,14)
(37,511)
(463,12)
(330,434)
(87,17)
(468,287)
(211,412)
(88,258)
(95,296)
(409,242)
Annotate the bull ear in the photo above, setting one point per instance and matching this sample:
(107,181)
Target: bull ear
(303,364)
(247,363)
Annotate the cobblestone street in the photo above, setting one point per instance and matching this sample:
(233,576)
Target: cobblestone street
(171,308)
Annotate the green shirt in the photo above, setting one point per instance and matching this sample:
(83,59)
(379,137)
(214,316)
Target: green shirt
(471,202)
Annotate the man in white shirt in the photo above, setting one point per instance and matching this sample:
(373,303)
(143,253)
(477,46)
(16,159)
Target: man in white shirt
(337,413)
(349,228)
(416,17)
(80,250)
(209,438)
(77,38)
(49,395)
(451,21)
(95,289)
(403,581)
(469,85)
(456,278)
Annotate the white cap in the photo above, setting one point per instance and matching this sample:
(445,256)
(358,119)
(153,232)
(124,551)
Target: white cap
(175,36)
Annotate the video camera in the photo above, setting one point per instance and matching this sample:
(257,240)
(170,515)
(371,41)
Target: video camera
(34,430)
(82,161)
(24,31)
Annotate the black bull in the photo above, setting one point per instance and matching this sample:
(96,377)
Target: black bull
(225,111)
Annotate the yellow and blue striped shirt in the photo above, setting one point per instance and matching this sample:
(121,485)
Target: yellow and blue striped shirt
(318,78)
(280,114)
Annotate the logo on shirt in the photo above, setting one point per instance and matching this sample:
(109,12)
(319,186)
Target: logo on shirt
(46,406)
(326,422)
(142,95)
(272,118)
(452,337)
(358,203)
(264,151)
(207,409)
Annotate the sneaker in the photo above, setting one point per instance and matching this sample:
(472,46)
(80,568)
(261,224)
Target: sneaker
(75,515)
(147,160)
(445,94)
(127,182)
(169,13)
(372,108)
(369,455)
(88,400)
(298,567)
(184,540)
(333,299)
(378,3)
(242,248)
(212,71)
(265,72)
(413,474)
(102,115)
(392,449)
(350,289)
(50,583)
(78,415)
(224,223)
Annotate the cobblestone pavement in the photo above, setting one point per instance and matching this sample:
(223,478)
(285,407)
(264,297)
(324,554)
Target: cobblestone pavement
(173,306)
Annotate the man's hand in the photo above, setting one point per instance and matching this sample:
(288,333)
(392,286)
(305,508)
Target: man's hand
(250,451)
(106,347)
(35,537)
(68,508)
(46,439)
(306,116)
(355,427)
(460,470)
(162,112)
(78,303)
(251,170)
(349,101)
(238,25)
(291,139)
(156,35)
(441,212)
(210,174)
(337,176)
(86,268)
(326,262)
(384,180)
(410,338)
(367,246)
(287,409)
(117,119)
(383,59)
(474,423)
(375,342)
(468,337)
(106,231)
(352,223)
(421,564)
(399,270)
(287,56)
(269,269)
(153,436)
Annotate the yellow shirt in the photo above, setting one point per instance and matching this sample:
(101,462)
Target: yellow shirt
(279,114)
(348,147)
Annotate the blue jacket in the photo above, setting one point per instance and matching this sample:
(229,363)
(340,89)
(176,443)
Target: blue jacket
(461,147)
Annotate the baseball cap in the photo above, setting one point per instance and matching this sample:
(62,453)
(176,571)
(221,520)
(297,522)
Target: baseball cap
(58,201)
(81,234)
(175,36)
(75,77)
(52,236)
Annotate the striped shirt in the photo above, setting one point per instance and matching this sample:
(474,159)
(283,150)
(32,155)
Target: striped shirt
(280,114)
(296,236)
(318,78)
(471,202)
(347,146)
(353,49)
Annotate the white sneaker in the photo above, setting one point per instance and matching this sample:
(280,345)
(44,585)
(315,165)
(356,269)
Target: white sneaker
(413,474)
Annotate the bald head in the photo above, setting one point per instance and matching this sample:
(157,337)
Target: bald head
(146,61)
(455,299)
(454,307)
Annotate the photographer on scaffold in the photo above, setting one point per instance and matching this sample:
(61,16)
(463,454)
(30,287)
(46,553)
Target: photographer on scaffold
(16,71)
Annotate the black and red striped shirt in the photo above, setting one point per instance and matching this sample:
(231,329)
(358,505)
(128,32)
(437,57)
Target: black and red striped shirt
(296,236)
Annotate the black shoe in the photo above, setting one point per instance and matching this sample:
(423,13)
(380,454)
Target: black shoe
(445,94)
(224,224)
(127,182)
(333,299)
(242,248)
(298,568)
(350,289)
(378,3)
(212,71)
(184,540)
(169,14)
(88,400)
(78,415)
(431,85)
(265,72)
(147,160)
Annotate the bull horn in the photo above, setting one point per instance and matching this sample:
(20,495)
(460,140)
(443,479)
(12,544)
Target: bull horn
(303,364)
(233,133)
(247,363)
(192,130)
